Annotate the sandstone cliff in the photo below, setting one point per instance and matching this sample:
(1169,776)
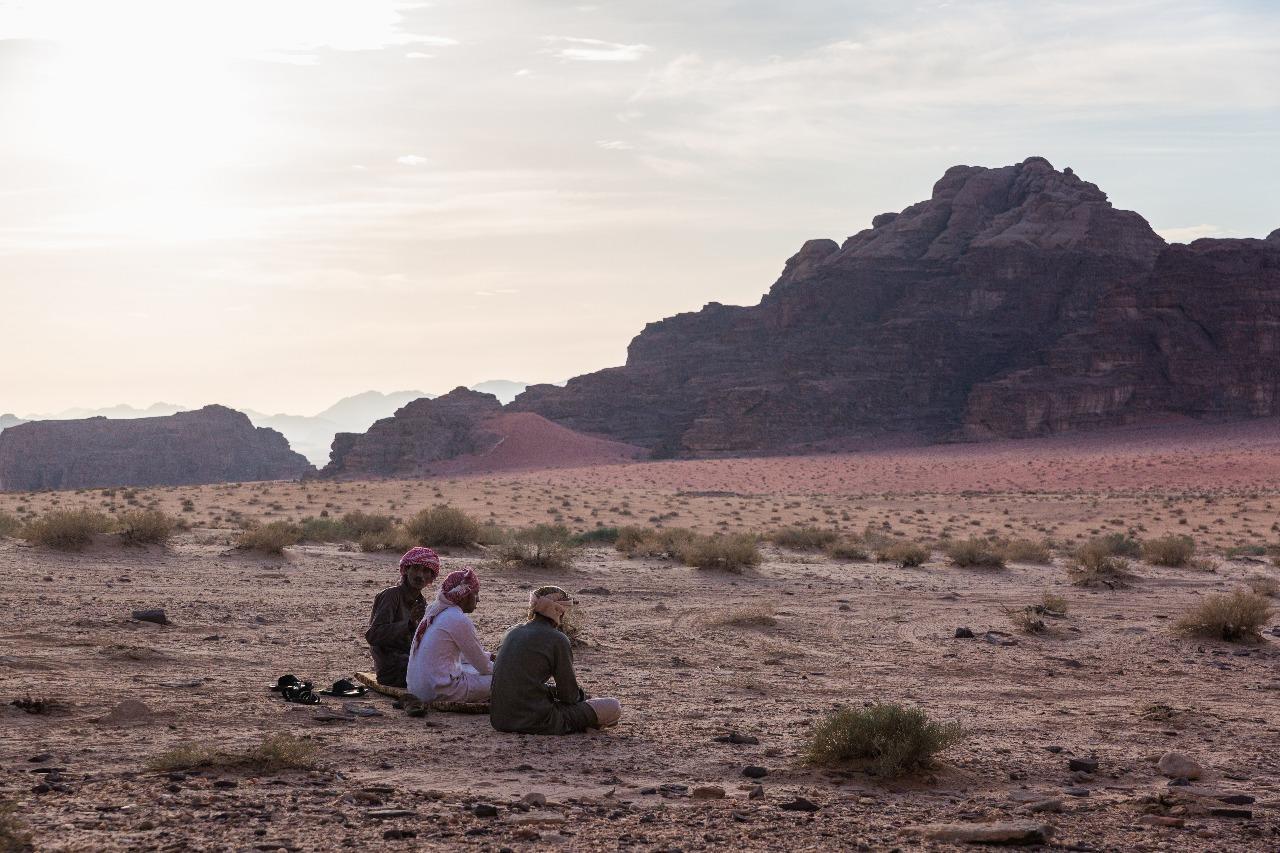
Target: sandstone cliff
(976,312)
(212,445)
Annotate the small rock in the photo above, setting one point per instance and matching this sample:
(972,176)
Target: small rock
(595,590)
(736,738)
(1050,805)
(707,792)
(534,799)
(1237,799)
(1175,765)
(226,783)
(799,804)
(1223,811)
(1161,820)
(756,792)
(1001,832)
(1076,792)
(963,633)
(484,810)
(41,758)
(398,834)
(753,771)
(157,616)
(387,814)
(128,711)
(1084,765)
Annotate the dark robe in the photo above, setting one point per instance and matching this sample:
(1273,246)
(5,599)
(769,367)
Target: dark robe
(396,613)
(520,700)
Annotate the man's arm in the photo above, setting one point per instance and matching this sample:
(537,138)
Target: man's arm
(567,689)
(388,625)
(463,632)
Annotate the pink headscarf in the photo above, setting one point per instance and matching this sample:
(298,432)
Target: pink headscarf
(421,557)
(454,589)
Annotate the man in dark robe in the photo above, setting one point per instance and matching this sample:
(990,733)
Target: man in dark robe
(396,613)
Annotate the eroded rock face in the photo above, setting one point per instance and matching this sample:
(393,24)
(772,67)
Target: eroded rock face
(931,323)
(418,434)
(212,445)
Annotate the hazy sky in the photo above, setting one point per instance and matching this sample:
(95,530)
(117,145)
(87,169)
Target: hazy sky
(276,203)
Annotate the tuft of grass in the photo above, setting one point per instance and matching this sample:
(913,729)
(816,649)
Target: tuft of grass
(543,546)
(597,536)
(666,544)
(803,538)
(847,549)
(1053,604)
(1267,587)
(358,524)
(443,525)
(974,553)
(1026,619)
(275,753)
(1094,564)
(14,836)
(1119,545)
(732,552)
(188,756)
(66,529)
(396,539)
(752,616)
(905,554)
(891,738)
(146,527)
(1253,550)
(270,538)
(9,525)
(1025,551)
(1172,551)
(1235,617)
(322,530)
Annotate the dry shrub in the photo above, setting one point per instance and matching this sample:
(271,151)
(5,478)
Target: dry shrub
(974,553)
(732,552)
(146,527)
(1053,604)
(906,554)
(893,739)
(847,549)
(1237,551)
(395,539)
(752,616)
(1118,545)
(275,753)
(1025,551)
(185,757)
(270,538)
(322,530)
(1235,617)
(1264,586)
(668,543)
(9,525)
(1026,619)
(1094,564)
(357,524)
(597,536)
(14,836)
(66,529)
(1172,551)
(803,538)
(443,525)
(543,546)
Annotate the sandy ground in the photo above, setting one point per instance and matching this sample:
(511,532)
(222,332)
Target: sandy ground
(1109,682)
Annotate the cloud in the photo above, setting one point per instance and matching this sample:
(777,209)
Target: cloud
(412,160)
(595,50)
(614,145)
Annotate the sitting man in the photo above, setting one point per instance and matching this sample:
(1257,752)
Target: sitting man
(530,654)
(396,613)
(447,661)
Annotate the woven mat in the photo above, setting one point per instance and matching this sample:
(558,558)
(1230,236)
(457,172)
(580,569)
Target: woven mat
(371,681)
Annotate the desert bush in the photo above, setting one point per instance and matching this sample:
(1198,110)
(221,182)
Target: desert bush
(1053,603)
(1246,551)
(906,554)
(322,530)
(146,527)
(1264,586)
(357,524)
(803,538)
(1094,564)
(1235,617)
(668,543)
(9,525)
(187,756)
(732,552)
(396,539)
(1026,619)
(543,546)
(1024,551)
(66,529)
(1119,545)
(443,525)
(893,739)
(847,549)
(270,538)
(597,536)
(275,753)
(975,552)
(751,616)
(1173,551)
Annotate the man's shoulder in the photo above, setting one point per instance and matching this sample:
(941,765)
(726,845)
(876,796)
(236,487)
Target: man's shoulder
(389,592)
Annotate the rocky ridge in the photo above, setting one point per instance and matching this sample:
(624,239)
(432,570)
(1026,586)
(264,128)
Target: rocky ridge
(1015,301)
(211,445)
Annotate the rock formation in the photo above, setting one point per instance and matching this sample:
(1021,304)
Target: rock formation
(212,445)
(1015,301)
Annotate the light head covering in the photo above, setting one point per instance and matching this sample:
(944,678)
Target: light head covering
(421,557)
(551,602)
(454,590)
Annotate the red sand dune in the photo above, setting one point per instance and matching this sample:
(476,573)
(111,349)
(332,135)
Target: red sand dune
(532,442)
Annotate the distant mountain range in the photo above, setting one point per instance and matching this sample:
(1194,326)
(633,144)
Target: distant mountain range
(310,435)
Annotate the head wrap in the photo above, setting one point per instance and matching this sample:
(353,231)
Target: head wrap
(550,607)
(424,557)
(454,590)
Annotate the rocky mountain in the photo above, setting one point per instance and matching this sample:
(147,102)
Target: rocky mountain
(8,420)
(214,444)
(1014,301)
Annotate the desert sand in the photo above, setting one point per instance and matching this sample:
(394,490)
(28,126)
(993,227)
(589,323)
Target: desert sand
(693,655)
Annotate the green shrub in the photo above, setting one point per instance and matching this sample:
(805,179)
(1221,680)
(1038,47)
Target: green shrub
(1119,545)
(1024,551)
(146,527)
(732,552)
(892,739)
(543,546)
(357,524)
(1246,551)
(1173,551)
(322,530)
(847,549)
(977,553)
(905,554)
(443,526)
(271,538)
(66,529)
(9,525)
(597,536)
(1235,617)
(1095,564)
(803,538)
(396,539)
(668,543)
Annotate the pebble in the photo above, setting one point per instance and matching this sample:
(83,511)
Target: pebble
(756,792)
(799,804)
(707,792)
(752,771)
(485,810)
(534,799)
(1175,765)
(156,616)
(736,738)
(1001,832)
(1076,792)
(963,633)
(1161,820)
(1084,765)
(1224,811)
(1050,805)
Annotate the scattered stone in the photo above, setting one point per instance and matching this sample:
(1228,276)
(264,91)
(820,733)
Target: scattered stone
(388,814)
(398,834)
(736,738)
(799,804)
(1076,792)
(753,771)
(1050,805)
(963,633)
(537,817)
(41,758)
(1224,811)
(1084,765)
(1162,820)
(1175,765)
(128,711)
(756,792)
(157,616)
(1237,799)
(484,810)
(595,590)
(999,638)
(707,792)
(1001,832)
(534,799)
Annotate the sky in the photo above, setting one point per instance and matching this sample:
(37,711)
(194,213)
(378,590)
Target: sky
(273,204)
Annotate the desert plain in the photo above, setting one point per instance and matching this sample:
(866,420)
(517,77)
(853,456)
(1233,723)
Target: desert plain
(1064,727)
